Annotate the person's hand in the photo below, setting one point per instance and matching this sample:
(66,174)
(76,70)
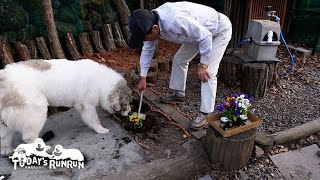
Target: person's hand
(203,74)
(142,84)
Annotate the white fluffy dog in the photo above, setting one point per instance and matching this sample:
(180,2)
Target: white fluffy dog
(28,88)
(60,153)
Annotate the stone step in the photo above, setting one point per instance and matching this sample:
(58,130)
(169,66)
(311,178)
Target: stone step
(300,50)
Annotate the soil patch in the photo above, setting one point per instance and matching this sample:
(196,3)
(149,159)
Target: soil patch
(125,58)
(157,133)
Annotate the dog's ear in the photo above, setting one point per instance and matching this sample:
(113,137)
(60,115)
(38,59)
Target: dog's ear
(115,101)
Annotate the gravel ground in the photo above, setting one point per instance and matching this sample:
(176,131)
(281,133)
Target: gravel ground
(292,101)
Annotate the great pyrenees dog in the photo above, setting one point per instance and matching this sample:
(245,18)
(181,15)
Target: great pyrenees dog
(27,89)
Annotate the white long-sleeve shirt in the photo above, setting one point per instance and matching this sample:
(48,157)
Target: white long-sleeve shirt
(183,23)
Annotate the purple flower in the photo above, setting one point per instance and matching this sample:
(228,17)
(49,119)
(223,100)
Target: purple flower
(220,108)
(237,112)
(251,99)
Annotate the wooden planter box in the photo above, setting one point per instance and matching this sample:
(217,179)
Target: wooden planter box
(252,123)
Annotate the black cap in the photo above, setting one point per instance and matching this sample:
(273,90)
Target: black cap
(140,22)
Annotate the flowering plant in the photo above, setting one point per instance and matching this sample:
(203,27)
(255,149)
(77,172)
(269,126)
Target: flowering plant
(235,108)
(135,121)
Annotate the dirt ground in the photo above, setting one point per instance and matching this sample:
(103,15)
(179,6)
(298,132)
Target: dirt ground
(125,58)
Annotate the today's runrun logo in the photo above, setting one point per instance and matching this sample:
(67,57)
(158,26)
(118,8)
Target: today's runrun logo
(35,156)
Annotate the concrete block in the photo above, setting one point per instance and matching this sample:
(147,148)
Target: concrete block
(300,50)
(299,164)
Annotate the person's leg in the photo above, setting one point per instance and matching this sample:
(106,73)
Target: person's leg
(179,71)
(208,89)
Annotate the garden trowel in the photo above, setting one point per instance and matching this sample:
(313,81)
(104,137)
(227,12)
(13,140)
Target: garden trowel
(142,116)
(138,115)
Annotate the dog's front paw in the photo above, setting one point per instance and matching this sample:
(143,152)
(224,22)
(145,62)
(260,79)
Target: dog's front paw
(102,130)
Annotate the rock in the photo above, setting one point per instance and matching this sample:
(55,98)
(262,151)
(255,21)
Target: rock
(167,152)
(259,152)
(206,177)
(267,161)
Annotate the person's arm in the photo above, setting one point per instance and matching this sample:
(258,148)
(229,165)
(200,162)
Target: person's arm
(148,50)
(145,62)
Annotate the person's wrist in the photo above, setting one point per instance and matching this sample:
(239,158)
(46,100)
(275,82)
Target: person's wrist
(203,66)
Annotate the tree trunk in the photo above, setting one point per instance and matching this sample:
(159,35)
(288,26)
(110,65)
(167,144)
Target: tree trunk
(72,47)
(85,43)
(141,4)
(44,51)
(122,10)
(97,43)
(254,79)
(108,37)
(31,44)
(54,41)
(231,153)
(230,70)
(6,56)
(118,38)
(22,51)
(123,13)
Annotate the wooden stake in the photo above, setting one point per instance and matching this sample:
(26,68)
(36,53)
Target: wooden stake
(5,53)
(72,47)
(97,43)
(31,44)
(118,38)
(42,46)
(108,37)
(85,43)
(22,51)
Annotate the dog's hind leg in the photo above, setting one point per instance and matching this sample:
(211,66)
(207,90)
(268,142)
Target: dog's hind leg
(6,139)
(89,116)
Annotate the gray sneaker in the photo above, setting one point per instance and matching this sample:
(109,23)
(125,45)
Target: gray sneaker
(199,122)
(173,98)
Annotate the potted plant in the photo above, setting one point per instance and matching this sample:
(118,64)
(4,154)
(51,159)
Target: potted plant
(234,110)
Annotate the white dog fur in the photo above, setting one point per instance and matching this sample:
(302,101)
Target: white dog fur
(28,88)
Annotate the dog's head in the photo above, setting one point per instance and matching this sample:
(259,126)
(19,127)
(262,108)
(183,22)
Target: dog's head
(120,98)
(39,144)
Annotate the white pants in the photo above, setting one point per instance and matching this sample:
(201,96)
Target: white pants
(187,52)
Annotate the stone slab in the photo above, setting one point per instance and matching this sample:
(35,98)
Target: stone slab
(299,164)
(299,50)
